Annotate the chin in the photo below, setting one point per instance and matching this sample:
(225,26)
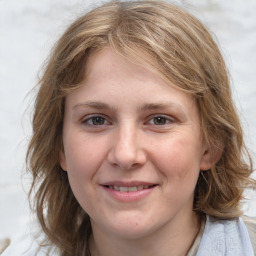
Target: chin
(132,228)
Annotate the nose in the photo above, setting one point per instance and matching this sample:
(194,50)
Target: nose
(127,149)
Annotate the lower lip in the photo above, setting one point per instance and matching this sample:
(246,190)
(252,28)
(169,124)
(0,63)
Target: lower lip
(128,196)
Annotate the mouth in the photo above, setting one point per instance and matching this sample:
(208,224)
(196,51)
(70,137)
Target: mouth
(128,191)
(129,188)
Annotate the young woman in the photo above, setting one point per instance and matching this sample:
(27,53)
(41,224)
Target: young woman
(137,148)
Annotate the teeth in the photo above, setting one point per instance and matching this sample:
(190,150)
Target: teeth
(131,189)
(124,189)
(128,189)
(140,187)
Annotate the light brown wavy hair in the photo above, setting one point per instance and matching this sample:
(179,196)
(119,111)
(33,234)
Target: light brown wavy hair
(184,54)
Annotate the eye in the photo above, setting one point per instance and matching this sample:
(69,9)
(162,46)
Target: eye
(160,120)
(95,121)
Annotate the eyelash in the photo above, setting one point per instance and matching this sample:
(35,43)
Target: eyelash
(166,119)
(89,120)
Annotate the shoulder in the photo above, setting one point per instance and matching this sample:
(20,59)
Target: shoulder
(250,223)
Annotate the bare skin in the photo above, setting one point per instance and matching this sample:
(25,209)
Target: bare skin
(133,152)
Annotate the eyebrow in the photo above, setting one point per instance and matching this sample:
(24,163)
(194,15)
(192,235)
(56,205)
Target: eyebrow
(93,104)
(146,107)
(156,106)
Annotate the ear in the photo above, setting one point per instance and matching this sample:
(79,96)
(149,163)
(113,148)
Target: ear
(62,160)
(211,155)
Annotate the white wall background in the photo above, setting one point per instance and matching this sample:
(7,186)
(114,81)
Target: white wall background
(28,30)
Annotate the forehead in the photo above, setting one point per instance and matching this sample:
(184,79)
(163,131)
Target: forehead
(112,80)
(106,59)
(112,64)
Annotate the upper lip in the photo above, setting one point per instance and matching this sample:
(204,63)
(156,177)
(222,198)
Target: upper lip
(127,183)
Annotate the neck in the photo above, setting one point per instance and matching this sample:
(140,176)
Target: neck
(174,238)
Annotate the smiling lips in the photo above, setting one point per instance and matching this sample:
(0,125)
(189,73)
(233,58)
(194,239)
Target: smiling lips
(128,192)
(129,189)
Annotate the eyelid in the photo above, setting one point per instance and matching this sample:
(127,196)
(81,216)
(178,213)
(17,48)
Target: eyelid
(167,117)
(86,118)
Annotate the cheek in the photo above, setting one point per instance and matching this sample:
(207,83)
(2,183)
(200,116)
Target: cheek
(81,169)
(83,154)
(84,157)
(178,157)
(79,162)
(179,165)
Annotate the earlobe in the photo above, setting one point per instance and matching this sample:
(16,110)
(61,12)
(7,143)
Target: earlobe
(210,158)
(62,160)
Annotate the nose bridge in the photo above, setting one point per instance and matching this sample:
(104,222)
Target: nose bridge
(127,139)
(127,149)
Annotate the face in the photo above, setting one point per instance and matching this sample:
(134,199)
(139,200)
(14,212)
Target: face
(132,148)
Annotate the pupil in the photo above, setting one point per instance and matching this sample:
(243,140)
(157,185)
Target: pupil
(160,120)
(98,120)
